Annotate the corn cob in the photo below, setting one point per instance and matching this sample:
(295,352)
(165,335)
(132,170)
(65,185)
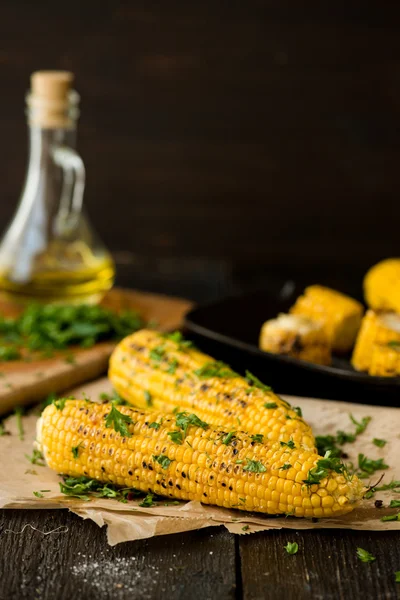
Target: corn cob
(202,462)
(296,336)
(155,372)
(340,314)
(376,329)
(382,285)
(385,360)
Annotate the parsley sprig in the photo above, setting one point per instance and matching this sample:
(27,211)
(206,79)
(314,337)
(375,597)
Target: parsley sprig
(118,421)
(323,467)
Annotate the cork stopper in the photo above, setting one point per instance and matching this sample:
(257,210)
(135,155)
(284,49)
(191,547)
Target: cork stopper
(51,99)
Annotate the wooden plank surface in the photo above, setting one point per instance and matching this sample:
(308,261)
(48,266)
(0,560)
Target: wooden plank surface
(77,563)
(24,382)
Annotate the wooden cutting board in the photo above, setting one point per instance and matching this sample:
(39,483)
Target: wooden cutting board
(22,383)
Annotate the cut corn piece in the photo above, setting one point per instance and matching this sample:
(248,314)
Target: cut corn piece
(204,466)
(152,371)
(385,360)
(296,336)
(382,285)
(340,314)
(380,329)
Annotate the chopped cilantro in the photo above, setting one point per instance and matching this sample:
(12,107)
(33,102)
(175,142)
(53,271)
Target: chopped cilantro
(368,466)
(9,353)
(292,547)
(60,403)
(247,527)
(394,504)
(84,487)
(285,467)
(148,500)
(342,437)
(257,437)
(118,421)
(38,495)
(179,340)
(360,425)
(393,485)
(148,398)
(37,458)
(228,437)
(19,411)
(378,442)
(254,466)
(365,556)
(323,467)
(215,369)
(391,517)
(289,444)
(75,450)
(298,411)
(255,382)
(397,576)
(162,460)
(173,365)
(184,420)
(157,353)
(270,405)
(176,436)
(155,425)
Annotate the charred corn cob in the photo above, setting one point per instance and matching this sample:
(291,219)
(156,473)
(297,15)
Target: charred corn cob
(297,336)
(385,360)
(382,286)
(182,457)
(340,314)
(157,372)
(376,330)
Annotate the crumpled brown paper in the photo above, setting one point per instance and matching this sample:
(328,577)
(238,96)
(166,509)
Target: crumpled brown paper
(19,479)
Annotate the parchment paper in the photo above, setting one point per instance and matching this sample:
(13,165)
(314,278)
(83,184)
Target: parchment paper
(19,479)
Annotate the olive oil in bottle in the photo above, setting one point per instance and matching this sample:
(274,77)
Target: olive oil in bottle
(50,252)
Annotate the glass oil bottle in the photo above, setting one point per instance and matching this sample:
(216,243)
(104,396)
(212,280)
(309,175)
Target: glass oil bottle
(50,252)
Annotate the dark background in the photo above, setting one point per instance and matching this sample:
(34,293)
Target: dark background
(227,144)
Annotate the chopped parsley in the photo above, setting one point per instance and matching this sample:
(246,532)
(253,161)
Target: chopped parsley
(391,517)
(118,421)
(157,353)
(285,467)
(360,425)
(162,460)
(292,547)
(46,328)
(270,405)
(228,437)
(179,340)
(19,411)
(148,398)
(173,365)
(247,527)
(215,369)
(75,450)
(148,500)
(323,467)
(184,420)
(364,555)
(155,425)
(343,437)
(394,504)
(176,436)
(394,344)
(378,442)
(3,430)
(368,466)
(254,466)
(255,382)
(257,437)
(397,576)
(289,444)
(37,458)
(84,487)
(393,485)
(60,403)
(38,495)
(298,411)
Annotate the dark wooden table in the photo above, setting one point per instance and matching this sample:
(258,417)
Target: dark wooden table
(76,561)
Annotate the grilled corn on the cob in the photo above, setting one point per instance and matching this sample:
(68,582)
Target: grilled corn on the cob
(153,371)
(382,285)
(376,330)
(297,336)
(340,314)
(385,360)
(193,462)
